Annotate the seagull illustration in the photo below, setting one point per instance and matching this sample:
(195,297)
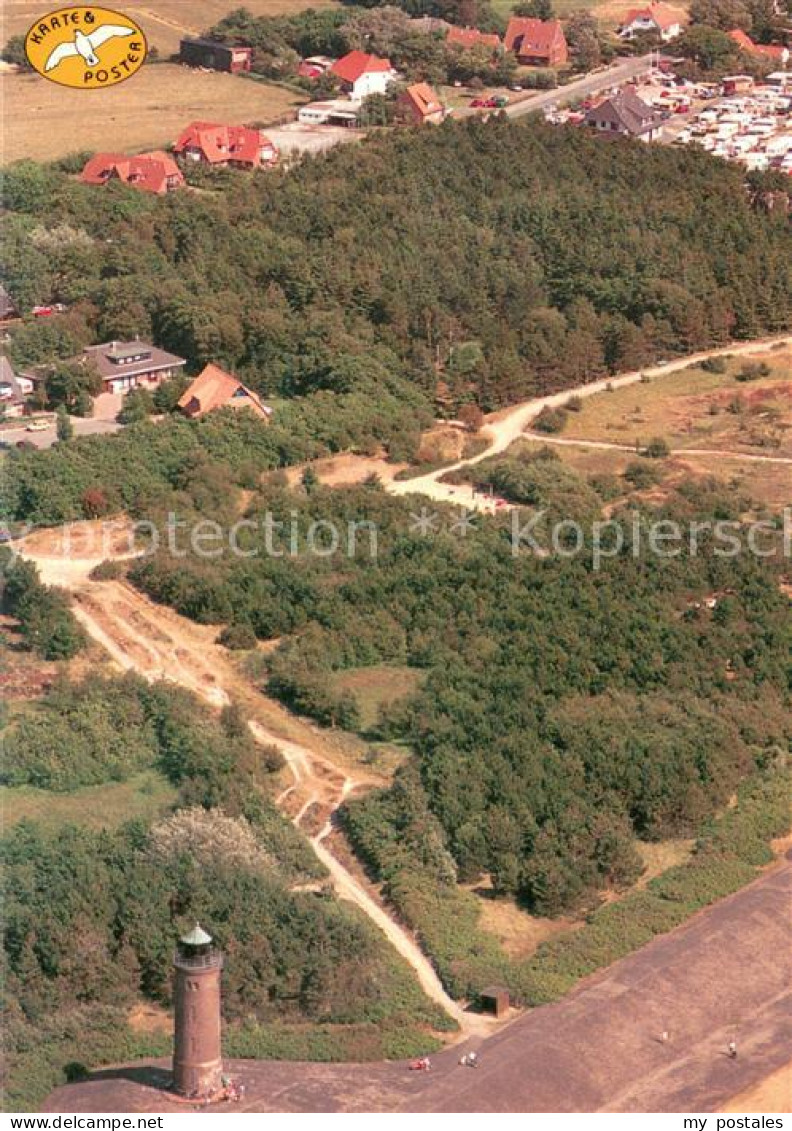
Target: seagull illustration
(86,45)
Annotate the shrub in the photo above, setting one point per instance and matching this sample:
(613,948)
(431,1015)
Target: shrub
(108,570)
(237,637)
(657,448)
(752,371)
(550,421)
(714,365)
(642,475)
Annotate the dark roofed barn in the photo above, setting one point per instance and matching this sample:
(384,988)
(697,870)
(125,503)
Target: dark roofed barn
(216,56)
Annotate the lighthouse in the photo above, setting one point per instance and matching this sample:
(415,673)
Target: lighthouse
(197,1060)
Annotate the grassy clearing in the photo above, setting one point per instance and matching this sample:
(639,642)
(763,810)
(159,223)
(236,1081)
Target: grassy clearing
(167,21)
(144,796)
(376,687)
(520,933)
(44,121)
(695,409)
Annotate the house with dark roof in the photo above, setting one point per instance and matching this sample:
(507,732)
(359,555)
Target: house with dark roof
(215,56)
(214,388)
(131,365)
(155,172)
(219,145)
(361,74)
(626,114)
(469,37)
(537,43)
(659,19)
(419,105)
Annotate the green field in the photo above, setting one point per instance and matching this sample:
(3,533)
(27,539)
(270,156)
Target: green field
(376,687)
(143,797)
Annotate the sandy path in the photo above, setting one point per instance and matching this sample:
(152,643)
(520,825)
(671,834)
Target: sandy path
(608,445)
(505,427)
(159,644)
(301,763)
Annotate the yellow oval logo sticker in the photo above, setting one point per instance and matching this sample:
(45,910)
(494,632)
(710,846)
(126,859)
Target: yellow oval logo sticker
(86,48)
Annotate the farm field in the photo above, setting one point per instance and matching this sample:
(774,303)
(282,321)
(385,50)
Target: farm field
(45,121)
(166,21)
(696,409)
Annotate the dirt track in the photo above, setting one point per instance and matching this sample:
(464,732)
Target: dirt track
(160,644)
(505,427)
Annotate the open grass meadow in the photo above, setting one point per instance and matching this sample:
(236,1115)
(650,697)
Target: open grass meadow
(693,408)
(44,121)
(376,687)
(143,797)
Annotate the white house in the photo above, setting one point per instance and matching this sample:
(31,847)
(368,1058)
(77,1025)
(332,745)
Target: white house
(361,74)
(657,18)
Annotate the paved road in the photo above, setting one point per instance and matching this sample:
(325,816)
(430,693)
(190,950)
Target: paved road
(12,436)
(725,974)
(593,83)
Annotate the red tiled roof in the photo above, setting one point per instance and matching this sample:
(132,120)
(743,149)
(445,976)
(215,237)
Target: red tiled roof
(471,37)
(148,171)
(214,388)
(425,100)
(537,37)
(220,143)
(350,67)
(661,15)
(745,43)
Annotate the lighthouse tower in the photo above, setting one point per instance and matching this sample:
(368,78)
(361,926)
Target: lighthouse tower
(197,1062)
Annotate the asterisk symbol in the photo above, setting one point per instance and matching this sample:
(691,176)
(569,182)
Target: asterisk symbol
(423,523)
(464,524)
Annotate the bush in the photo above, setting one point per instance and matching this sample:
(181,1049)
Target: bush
(642,475)
(714,365)
(238,637)
(752,371)
(550,421)
(657,448)
(108,570)
(46,621)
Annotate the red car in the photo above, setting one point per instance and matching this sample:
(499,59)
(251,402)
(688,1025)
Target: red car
(46,311)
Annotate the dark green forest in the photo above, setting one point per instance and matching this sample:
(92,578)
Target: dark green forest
(504,259)
(565,709)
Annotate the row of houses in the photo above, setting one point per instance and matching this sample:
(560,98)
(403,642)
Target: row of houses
(214,144)
(126,365)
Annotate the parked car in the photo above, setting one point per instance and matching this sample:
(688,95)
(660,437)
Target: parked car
(46,311)
(38,426)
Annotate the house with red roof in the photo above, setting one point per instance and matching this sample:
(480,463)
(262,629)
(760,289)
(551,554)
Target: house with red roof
(155,172)
(659,19)
(361,74)
(537,43)
(219,145)
(469,37)
(419,104)
(774,52)
(214,388)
